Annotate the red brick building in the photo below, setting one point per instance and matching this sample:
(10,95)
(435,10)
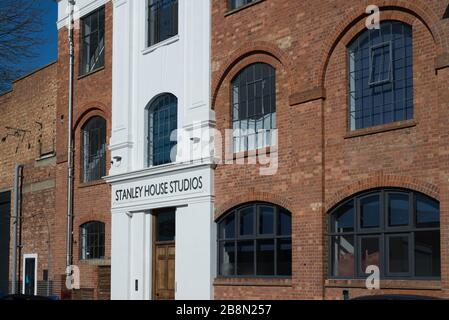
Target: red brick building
(27,131)
(92,121)
(361,145)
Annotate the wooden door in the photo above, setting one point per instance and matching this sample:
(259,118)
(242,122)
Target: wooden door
(164,285)
(164,254)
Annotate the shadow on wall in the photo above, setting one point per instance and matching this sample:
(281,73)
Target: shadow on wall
(446,13)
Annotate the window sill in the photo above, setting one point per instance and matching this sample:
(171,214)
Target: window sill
(386,284)
(96,262)
(230,12)
(91,73)
(382,128)
(254,282)
(158,45)
(91,184)
(253,153)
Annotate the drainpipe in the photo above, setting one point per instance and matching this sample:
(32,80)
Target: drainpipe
(17,179)
(70,143)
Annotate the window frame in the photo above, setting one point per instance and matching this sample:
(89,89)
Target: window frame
(149,134)
(231,9)
(404,86)
(148,44)
(84,162)
(83,61)
(383,233)
(100,247)
(253,238)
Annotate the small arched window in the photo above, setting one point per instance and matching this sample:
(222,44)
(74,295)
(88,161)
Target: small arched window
(92,240)
(94,149)
(253,94)
(381,76)
(396,230)
(255,240)
(162,122)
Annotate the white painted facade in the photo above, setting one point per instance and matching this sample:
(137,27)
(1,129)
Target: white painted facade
(180,66)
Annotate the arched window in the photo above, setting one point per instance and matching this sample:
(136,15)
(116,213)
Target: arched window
(255,240)
(253,93)
(381,76)
(92,240)
(162,121)
(396,230)
(94,149)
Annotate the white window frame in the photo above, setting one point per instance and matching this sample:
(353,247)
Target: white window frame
(30,256)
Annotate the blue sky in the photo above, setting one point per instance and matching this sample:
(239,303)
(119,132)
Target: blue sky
(48,52)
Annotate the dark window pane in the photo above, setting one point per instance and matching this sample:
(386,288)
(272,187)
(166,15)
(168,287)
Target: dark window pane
(399,210)
(92,240)
(284,223)
(427,254)
(247,221)
(227,227)
(265,257)
(284,257)
(92,57)
(343,256)
(344,218)
(165,225)
(369,252)
(235,4)
(398,254)
(427,212)
(227,258)
(94,149)
(369,212)
(245,258)
(266,220)
(162,20)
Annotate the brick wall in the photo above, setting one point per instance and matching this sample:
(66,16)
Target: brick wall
(29,110)
(92,97)
(319,163)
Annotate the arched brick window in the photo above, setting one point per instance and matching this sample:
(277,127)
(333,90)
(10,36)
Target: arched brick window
(396,230)
(255,239)
(92,240)
(94,149)
(381,76)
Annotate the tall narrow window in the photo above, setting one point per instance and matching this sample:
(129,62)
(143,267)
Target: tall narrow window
(253,93)
(92,42)
(162,20)
(255,240)
(381,76)
(94,149)
(92,240)
(396,230)
(162,123)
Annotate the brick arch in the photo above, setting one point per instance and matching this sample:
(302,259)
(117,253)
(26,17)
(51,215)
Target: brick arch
(89,110)
(350,18)
(253,196)
(250,49)
(382,181)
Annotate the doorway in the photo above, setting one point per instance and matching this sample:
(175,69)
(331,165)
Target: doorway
(5,224)
(164,254)
(29,280)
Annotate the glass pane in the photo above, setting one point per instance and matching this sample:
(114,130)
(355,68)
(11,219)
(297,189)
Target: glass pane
(427,254)
(245,258)
(369,212)
(265,257)
(284,257)
(343,218)
(266,220)
(427,212)
(247,221)
(227,227)
(343,256)
(399,210)
(227,258)
(284,223)
(398,254)
(165,226)
(369,253)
